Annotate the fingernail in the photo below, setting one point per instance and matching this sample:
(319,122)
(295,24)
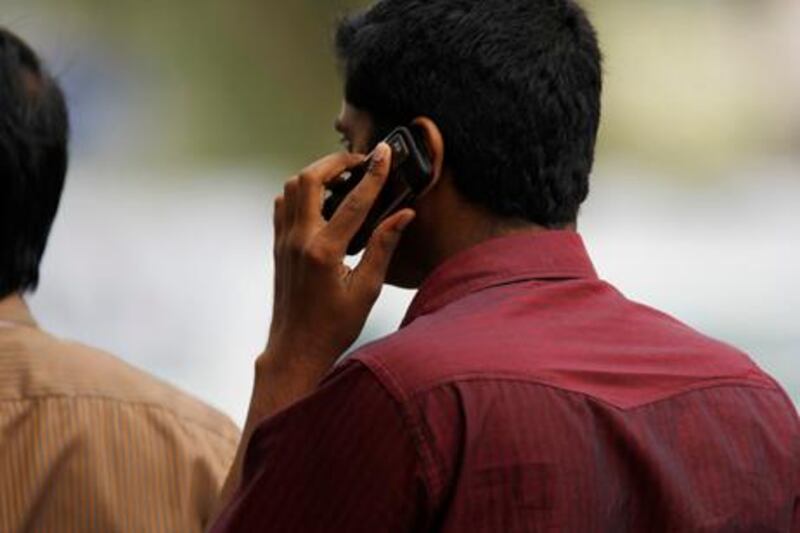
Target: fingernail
(403,224)
(380,153)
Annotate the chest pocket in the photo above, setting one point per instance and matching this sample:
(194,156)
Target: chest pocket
(510,498)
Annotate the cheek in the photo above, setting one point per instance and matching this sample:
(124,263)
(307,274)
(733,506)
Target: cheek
(363,141)
(361,145)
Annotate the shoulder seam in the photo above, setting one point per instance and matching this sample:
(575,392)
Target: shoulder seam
(717,383)
(183,420)
(411,420)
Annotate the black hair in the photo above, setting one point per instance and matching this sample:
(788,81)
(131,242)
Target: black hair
(33,162)
(513,85)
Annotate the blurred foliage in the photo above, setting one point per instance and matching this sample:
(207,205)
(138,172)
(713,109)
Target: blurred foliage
(694,86)
(691,87)
(246,78)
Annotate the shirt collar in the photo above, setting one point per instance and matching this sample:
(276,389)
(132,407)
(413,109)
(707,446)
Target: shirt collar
(14,312)
(519,257)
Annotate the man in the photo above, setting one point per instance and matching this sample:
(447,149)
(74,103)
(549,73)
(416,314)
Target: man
(521,393)
(87,443)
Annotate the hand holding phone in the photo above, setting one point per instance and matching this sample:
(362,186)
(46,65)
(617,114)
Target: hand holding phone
(410,175)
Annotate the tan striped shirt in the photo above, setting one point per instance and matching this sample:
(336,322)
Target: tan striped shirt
(91,444)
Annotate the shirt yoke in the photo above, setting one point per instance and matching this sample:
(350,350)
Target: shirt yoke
(580,336)
(36,366)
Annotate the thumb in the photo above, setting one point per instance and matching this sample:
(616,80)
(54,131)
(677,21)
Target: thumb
(371,271)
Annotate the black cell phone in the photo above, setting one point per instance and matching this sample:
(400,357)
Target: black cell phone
(410,174)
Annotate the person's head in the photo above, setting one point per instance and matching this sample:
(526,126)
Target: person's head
(33,162)
(511,93)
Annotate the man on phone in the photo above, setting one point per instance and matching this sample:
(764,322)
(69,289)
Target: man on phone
(521,393)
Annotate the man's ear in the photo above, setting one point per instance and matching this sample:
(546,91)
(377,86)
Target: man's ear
(434,143)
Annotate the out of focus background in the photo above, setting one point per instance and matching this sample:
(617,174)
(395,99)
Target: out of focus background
(188,115)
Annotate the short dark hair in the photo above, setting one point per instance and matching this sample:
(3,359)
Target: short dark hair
(33,162)
(514,86)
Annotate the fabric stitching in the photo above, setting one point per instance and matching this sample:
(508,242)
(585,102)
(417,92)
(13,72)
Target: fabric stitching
(396,392)
(110,399)
(463,378)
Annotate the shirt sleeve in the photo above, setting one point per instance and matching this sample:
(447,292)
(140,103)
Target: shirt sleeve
(339,460)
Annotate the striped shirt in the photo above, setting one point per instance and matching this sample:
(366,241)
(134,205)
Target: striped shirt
(88,443)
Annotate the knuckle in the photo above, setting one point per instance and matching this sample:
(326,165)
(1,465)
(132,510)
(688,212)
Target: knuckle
(353,204)
(389,240)
(291,185)
(305,180)
(383,242)
(371,289)
(375,168)
(294,245)
(318,254)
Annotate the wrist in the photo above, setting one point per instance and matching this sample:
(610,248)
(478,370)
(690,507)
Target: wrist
(290,367)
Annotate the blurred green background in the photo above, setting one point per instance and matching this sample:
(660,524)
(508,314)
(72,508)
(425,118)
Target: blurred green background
(694,86)
(231,79)
(188,115)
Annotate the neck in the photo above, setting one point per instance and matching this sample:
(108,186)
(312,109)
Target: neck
(426,246)
(473,231)
(14,311)
(446,225)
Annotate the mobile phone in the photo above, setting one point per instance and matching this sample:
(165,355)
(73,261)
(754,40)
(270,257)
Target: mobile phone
(410,174)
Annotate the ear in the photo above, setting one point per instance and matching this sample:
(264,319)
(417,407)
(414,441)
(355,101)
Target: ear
(434,143)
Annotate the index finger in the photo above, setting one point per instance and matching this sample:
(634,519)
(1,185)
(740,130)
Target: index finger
(356,206)
(313,178)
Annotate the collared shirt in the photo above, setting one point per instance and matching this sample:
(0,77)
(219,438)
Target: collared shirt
(91,444)
(522,393)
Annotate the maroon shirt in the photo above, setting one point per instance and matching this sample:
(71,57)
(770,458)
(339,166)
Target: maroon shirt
(524,394)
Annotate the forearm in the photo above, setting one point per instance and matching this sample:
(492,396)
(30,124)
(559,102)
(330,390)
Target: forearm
(279,382)
(320,304)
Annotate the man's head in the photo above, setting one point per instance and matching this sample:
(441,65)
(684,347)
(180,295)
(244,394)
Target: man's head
(512,86)
(33,162)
